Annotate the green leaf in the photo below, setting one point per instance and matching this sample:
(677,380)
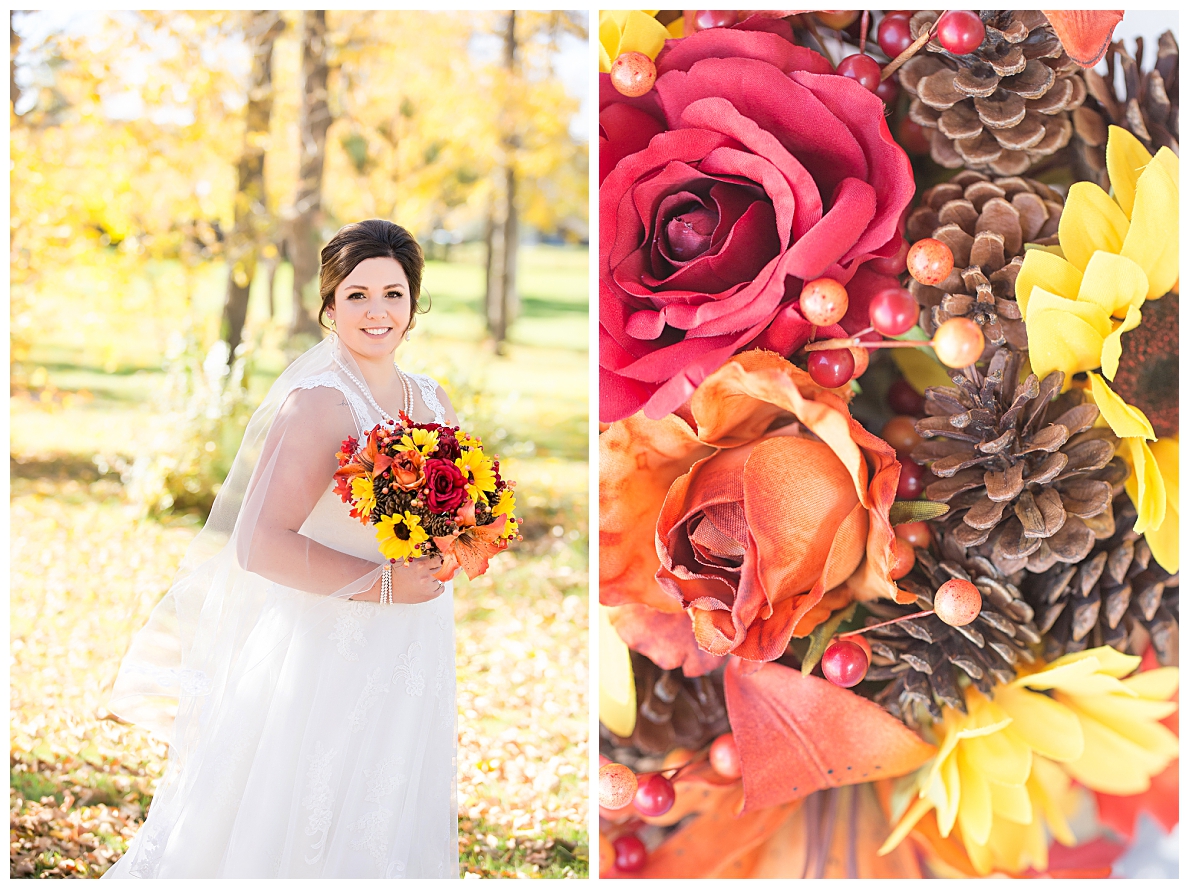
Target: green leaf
(820,638)
(905,511)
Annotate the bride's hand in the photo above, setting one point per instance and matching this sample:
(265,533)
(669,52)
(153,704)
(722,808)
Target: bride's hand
(411,584)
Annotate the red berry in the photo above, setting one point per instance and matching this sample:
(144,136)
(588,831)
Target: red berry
(912,137)
(960,31)
(957,602)
(895,264)
(714,18)
(862,359)
(912,480)
(655,796)
(860,67)
(958,342)
(617,785)
(894,311)
(724,756)
(930,261)
(823,302)
(633,74)
(840,19)
(893,34)
(916,533)
(904,399)
(630,854)
(901,433)
(844,663)
(888,90)
(905,558)
(831,368)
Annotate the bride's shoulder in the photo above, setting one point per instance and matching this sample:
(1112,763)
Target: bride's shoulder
(317,397)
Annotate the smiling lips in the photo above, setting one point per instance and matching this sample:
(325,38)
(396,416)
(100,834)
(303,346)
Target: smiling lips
(377,331)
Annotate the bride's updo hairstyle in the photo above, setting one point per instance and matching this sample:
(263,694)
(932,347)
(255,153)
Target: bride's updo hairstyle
(372,238)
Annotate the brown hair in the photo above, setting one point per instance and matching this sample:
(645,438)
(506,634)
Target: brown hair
(372,238)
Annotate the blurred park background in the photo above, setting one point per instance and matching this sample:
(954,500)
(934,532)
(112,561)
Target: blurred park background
(173,178)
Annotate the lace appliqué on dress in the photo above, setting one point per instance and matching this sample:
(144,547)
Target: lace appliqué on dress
(190,683)
(348,634)
(429,394)
(372,690)
(333,381)
(383,781)
(318,798)
(408,667)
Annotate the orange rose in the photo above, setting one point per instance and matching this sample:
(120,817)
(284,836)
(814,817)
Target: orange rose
(408,470)
(771,511)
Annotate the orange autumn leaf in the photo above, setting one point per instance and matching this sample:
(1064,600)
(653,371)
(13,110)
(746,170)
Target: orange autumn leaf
(470,550)
(664,638)
(798,734)
(1084,33)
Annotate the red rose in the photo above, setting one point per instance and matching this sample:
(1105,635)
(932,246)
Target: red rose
(748,170)
(445,486)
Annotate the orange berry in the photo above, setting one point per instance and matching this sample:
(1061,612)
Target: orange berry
(606,856)
(957,602)
(930,261)
(617,785)
(842,18)
(724,756)
(916,533)
(862,359)
(677,757)
(901,433)
(906,557)
(958,342)
(823,302)
(633,74)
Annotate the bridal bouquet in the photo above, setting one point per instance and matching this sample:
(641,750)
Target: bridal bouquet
(428,489)
(889,465)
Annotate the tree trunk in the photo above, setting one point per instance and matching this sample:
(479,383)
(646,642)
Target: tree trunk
(251,212)
(305,228)
(503,229)
(14,45)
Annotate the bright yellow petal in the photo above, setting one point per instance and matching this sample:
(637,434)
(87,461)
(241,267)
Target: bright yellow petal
(914,814)
(950,784)
(1153,237)
(1112,346)
(1126,158)
(980,856)
(1133,719)
(997,754)
(1090,221)
(1113,283)
(1112,763)
(974,808)
(1047,786)
(1125,420)
(1011,801)
(676,28)
(642,33)
(609,35)
(921,369)
(1164,540)
(1062,341)
(1145,486)
(1155,685)
(1049,272)
(1107,660)
(617,688)
(1171,163)
(1037,720)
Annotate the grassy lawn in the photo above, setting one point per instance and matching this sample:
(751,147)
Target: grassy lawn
(87,566)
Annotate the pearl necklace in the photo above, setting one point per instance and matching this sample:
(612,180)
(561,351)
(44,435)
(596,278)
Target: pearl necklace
(406,389)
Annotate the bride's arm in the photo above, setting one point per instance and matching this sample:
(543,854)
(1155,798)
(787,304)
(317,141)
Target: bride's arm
(295,469)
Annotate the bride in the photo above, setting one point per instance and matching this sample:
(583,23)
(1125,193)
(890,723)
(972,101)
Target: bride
(312,729)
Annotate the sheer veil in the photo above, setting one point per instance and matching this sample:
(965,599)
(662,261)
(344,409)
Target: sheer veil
(178,665)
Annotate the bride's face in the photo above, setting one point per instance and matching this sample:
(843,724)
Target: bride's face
(372,307)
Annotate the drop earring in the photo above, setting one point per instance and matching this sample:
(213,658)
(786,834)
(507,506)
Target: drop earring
(408,334)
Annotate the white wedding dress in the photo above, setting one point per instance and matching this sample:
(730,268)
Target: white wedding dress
(332,751)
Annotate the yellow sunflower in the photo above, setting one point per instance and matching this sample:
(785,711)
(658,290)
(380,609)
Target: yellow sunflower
(505,505)
(424,441)
(400,536)
(363,492)
(479,473)
(1079,299)
(1004,767)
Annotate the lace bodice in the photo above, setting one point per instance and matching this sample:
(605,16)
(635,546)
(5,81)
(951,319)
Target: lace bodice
(365,415)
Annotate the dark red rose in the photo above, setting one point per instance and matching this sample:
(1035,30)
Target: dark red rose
(445,485)
(448,447)
(749,169)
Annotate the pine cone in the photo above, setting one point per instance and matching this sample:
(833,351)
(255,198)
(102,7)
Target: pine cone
(1002,107)
(926,658)
(440,526)
(674,710)
(1119,596)
(1038,489)
(391,502)
(986,224)
(1149,108)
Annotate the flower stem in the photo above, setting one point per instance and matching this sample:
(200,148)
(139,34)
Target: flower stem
(886,623)
(866,23)
(850,342)
(891,67)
